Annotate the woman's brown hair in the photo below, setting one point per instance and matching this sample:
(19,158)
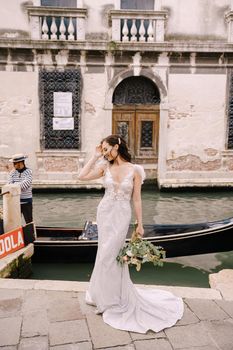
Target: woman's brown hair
(123,151)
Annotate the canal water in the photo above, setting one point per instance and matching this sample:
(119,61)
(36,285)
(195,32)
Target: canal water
(72,209)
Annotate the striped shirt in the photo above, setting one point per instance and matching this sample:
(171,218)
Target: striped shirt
(25,180)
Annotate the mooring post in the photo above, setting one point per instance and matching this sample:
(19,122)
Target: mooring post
(11,207)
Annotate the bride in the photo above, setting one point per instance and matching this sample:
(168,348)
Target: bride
(111,290)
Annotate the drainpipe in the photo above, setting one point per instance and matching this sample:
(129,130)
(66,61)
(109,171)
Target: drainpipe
(11,207)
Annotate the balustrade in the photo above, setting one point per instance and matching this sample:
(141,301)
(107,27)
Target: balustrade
(138,25)
(49,23)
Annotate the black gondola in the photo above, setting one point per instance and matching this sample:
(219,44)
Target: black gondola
(64,244)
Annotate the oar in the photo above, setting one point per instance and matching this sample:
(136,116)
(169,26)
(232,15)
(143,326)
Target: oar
(2,194)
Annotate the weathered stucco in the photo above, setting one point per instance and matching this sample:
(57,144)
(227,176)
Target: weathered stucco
(14,19)
(196,19)
(5,166)
(197,114)
(58,164)
(19,109)
(193,163)
(188,20)
(190,69)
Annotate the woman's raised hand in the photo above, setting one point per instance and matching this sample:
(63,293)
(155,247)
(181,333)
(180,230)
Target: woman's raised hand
(98,151)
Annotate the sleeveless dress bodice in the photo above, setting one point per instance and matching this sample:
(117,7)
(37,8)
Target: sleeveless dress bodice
(118,191)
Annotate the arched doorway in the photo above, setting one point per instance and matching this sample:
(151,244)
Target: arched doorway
(136,117)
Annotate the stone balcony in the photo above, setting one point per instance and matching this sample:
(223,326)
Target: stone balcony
(132,30)
(51,23)
(68,24)
(138,25)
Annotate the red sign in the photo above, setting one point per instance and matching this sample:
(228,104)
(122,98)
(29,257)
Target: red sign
(11,241)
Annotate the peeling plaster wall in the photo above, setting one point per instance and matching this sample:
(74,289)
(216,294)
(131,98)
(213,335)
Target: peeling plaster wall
(14,19)
(187,19)
(193,118)
(197,121)
(19,114)
(196,19)
(98,18)
(96,122)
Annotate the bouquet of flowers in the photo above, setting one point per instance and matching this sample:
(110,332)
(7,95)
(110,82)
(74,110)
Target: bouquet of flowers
(139,251)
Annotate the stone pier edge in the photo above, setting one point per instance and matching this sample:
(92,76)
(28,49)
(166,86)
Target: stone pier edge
(75,286)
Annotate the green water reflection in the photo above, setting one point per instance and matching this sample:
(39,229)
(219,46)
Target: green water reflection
(187,271)
(73,209)
(170,274)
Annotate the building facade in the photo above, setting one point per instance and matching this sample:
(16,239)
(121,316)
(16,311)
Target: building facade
(158,72)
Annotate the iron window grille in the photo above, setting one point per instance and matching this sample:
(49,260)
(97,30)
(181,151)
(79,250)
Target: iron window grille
(57,81)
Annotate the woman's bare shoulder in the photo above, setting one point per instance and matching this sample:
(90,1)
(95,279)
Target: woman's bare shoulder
(139,171)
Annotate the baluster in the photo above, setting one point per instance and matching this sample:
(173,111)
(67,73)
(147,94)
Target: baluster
(62,29)
(53,29)
(133,31)
(71,30)
(142,31)
(125,31)
(150,31)
(45,29)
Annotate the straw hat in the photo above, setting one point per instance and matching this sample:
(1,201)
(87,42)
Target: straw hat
(18,158)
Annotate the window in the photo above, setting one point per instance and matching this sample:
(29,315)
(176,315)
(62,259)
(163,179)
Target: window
(137,4)
(136,90)
(59,3)
(60,99)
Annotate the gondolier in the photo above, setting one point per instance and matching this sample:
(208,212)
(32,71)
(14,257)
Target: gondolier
(22,175)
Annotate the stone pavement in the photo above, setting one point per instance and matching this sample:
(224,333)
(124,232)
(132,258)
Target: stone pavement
(52,315)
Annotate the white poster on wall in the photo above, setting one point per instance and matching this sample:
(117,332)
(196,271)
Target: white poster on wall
(62,104)
(63,123)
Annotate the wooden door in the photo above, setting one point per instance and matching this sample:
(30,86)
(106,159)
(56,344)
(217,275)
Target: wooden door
(140,128)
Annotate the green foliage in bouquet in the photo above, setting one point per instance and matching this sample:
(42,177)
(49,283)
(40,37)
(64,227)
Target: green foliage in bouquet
(139,251)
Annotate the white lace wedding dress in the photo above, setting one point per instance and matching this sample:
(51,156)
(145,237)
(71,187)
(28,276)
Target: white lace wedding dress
(111,290)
